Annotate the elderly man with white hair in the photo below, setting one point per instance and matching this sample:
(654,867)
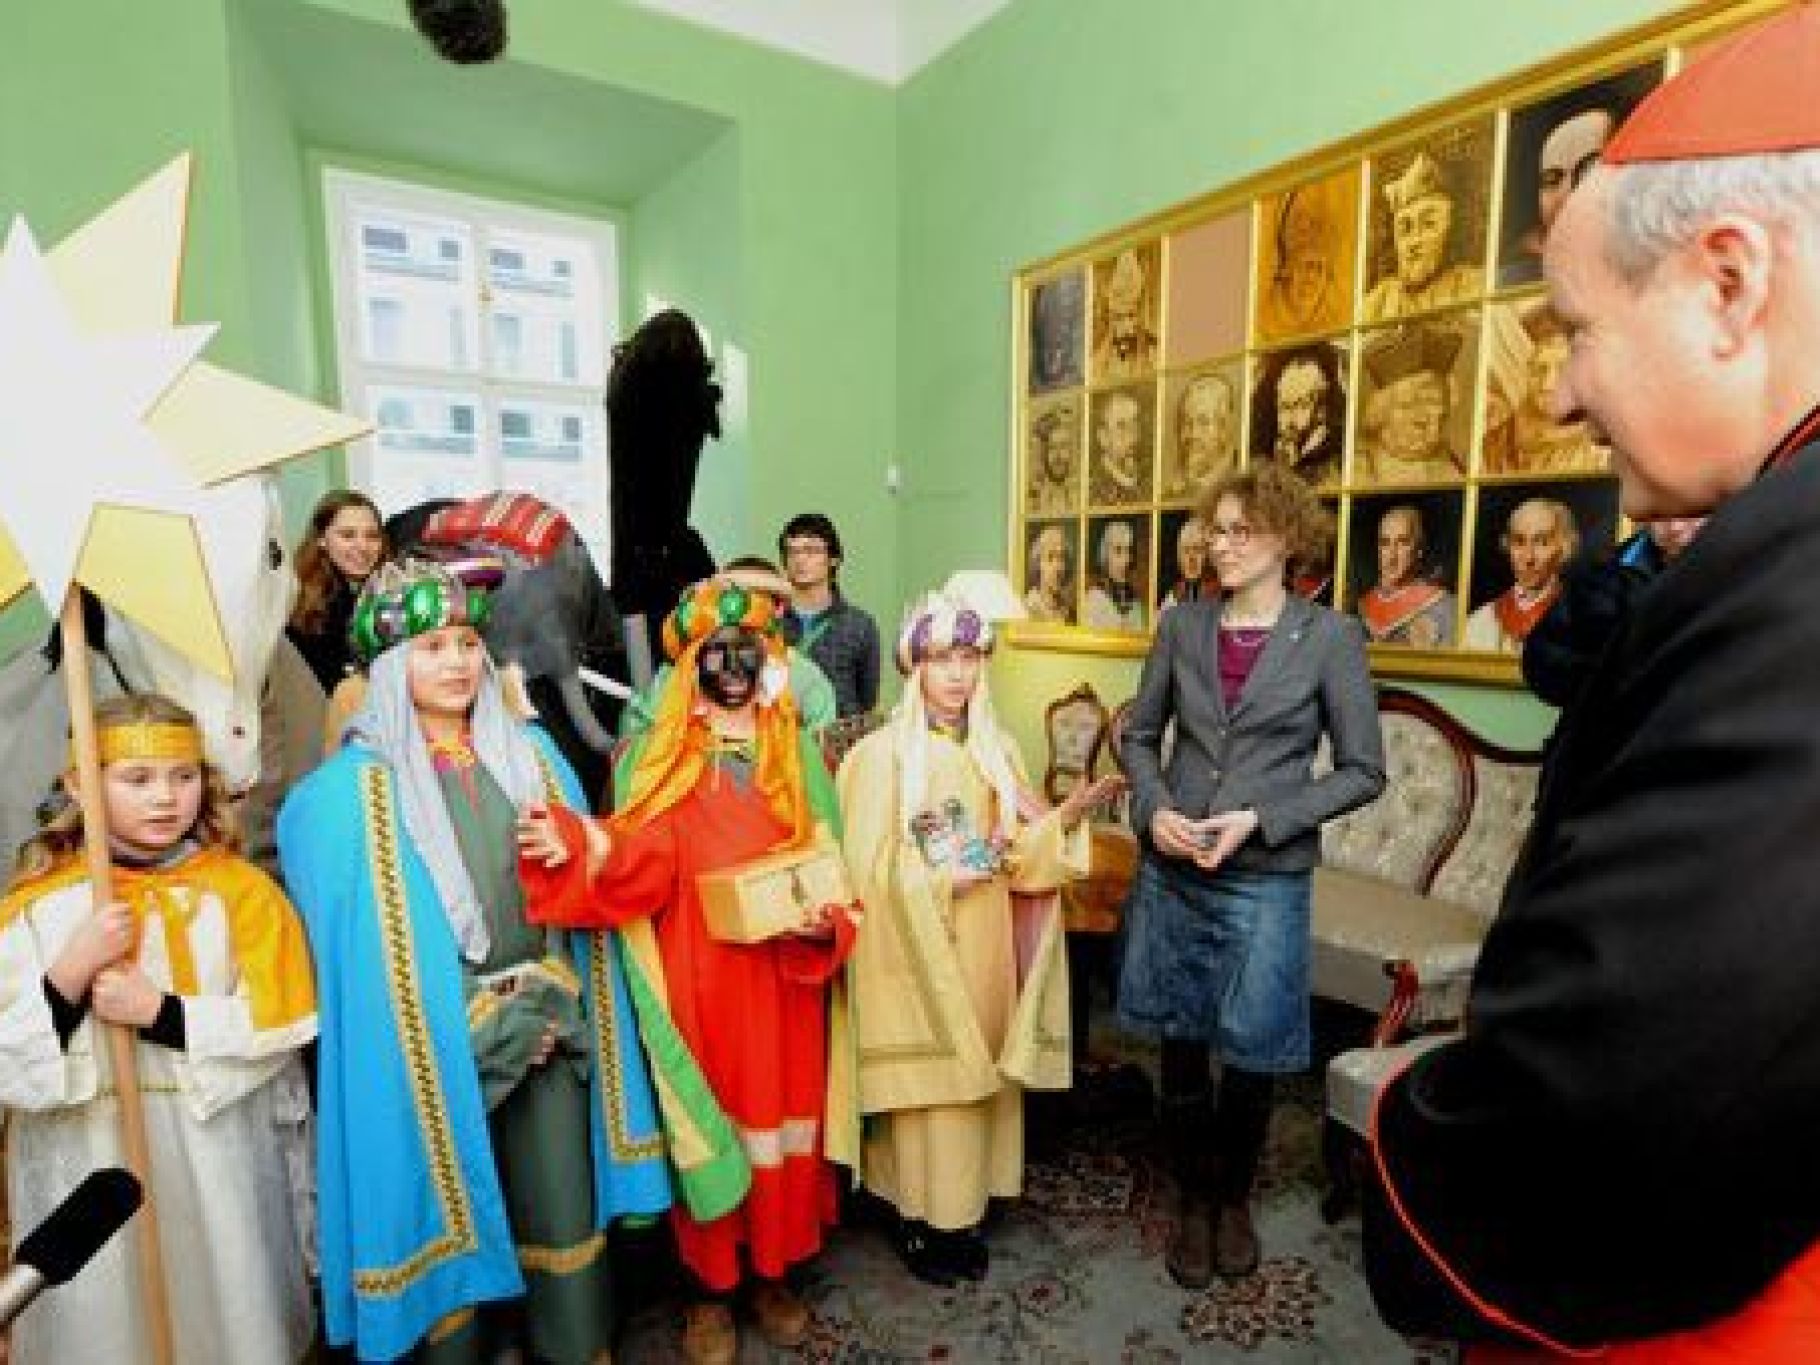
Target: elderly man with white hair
(1617,1157)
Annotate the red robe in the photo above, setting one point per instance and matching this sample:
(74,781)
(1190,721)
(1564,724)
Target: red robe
(754,1015)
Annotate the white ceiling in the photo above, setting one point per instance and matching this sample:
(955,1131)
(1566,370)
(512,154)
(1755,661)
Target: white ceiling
(887,40)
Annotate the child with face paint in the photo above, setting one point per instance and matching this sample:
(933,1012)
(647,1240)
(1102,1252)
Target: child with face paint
(961,999)
(723,775)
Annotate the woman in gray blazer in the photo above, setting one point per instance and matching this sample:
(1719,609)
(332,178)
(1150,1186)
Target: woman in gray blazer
(1216,930)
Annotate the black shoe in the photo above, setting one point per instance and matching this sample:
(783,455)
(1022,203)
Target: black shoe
(965,1253)
(921,1252)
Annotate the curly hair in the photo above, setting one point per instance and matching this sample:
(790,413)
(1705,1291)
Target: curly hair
(317,576)
(60,831)
(1280,502)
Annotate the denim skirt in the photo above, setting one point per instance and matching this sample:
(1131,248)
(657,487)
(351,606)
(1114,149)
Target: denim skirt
(1220,958)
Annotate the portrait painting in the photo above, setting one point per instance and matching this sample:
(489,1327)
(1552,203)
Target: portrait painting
(1058,332)
(1306,257)
(1051,571)
(1429,210)
(1117,595)
(1052,456)
(1311,577)
(1525,537)
(1415,401)
(1402,567)
(1209,270)
(1127,313)
(1298,410)
(1074,727)
(1551,146)
(1121,435)
(1526,350)
(1185,570)
(1203,417)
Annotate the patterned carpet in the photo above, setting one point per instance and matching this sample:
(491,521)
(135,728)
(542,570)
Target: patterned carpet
(1077,1275)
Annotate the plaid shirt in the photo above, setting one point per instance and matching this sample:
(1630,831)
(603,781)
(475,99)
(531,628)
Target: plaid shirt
(844,641)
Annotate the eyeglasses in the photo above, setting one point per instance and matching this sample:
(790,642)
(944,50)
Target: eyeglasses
(1235,531)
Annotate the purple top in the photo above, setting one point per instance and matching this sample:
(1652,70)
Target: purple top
(1239,651)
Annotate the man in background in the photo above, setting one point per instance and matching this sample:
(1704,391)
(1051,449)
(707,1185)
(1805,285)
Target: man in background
(840,637)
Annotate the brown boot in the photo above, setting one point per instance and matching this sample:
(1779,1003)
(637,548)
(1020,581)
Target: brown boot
(1189,1256)
(1235,1241)
(783,1318)
(708,1335)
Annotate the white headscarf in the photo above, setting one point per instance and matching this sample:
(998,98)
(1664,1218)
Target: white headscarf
(387,724)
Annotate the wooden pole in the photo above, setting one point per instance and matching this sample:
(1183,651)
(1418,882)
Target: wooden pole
(120,1041)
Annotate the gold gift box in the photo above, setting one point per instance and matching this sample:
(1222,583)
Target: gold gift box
(772,895)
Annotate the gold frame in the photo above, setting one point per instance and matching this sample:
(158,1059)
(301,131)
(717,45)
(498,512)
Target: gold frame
(1663,40)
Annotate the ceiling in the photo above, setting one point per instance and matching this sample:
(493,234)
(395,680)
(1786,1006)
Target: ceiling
(885,40)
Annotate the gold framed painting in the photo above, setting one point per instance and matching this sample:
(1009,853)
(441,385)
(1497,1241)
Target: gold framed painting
(1370,314)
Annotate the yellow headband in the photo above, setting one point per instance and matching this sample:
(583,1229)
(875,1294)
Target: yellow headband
(148,739)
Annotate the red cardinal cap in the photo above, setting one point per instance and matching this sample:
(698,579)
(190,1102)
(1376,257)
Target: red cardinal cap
(1756,92)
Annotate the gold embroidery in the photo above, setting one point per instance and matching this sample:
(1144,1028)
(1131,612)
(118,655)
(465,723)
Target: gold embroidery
(440,1156)
(444,1328)
(482,1005)
(620,1142)
(562,1260)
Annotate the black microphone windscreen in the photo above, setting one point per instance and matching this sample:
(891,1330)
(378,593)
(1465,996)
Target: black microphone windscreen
(78,1227)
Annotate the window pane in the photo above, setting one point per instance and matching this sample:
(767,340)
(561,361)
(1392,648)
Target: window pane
(425,446)
(559,452)
(552,285)
(417,290)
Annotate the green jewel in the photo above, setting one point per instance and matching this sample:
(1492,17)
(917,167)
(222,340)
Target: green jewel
(733,604)
(685,613)
(425,607)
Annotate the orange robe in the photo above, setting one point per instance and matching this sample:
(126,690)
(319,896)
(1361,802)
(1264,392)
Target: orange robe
(754,1015)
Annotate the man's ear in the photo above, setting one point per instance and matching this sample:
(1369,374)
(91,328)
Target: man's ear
(1733,258)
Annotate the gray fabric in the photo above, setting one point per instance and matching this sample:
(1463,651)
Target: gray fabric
(387,724)
(1312,679)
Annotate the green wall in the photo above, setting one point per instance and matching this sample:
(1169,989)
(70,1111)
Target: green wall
(1061,119)
(683,256)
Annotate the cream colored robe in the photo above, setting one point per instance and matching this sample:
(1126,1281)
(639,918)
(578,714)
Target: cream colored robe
(960,1001)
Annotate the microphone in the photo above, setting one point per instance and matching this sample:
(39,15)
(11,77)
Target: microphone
(66,1241)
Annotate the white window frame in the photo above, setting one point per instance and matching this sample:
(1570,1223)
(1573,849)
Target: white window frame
(344,193)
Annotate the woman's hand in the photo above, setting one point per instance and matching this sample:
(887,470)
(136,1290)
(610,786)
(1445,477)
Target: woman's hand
(1174,834)
(125,996)
(1086,796)
(1221,835)
(817,923)
(546,1045)
(539,840)
(101,940)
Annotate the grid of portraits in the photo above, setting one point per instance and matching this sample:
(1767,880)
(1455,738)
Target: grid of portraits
(1379,326)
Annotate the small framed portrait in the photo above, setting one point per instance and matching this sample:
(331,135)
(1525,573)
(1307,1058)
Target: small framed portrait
(1052,456)
(1127,314)
(1184,559)
(1526,349)
(1052,571)
(1298,410)
(1307,253)
(1118,574)
(1402,566)
(1415,401)
(1058,332)
(1209,270)
(1203,416)
(1430,205)
(1121,436)
(1526,536)
(1074,726)
(1551,147)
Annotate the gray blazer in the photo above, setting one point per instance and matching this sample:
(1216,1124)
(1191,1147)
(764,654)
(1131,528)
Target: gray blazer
(1311,679)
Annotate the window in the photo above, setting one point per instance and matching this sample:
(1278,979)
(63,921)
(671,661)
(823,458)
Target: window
(476,335)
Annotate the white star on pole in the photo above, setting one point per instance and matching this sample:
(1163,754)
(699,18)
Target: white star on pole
(110,426)
(72,417)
